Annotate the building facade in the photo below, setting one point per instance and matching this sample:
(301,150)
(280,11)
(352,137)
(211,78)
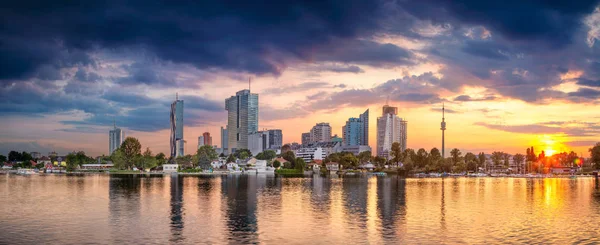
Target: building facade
(176,141)
(224,140)
(306,138)
(207,138)
(275,139)
(242,118)
(352,132)
(390,129)
(320,133)
(115,139)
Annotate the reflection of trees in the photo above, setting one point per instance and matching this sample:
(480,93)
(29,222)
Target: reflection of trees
(124,204)
(391,203)
(176,208)
(241,193)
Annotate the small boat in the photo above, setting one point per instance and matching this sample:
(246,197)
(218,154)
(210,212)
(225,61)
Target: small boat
(379,173)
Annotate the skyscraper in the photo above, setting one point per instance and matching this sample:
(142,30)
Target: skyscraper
(242,118)
(115,138)
(390,129)
(224,140)
(356,130)
(352,132)
(364,118)
(320,133)
(177,142)
(207,138)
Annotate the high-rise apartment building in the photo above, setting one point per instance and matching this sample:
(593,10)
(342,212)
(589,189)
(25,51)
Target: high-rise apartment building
(224,140)
(242,118)
(356,130)
(177,142)
(306,138)
(390,129)
(207,138)
(275,139)
(115,138)
(320,133)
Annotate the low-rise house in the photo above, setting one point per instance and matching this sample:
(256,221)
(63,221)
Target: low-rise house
(316,167)
(333,167)
(7,166)
(367,166)
(233,166)
(170,168)
(44,160)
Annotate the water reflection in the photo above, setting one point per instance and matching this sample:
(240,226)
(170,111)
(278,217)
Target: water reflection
(240,192)
(239,209)
(176,208)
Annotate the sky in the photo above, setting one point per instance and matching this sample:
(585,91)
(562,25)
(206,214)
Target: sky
(511,74)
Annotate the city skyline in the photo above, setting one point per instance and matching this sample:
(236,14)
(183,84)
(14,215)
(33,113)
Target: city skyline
(507,83)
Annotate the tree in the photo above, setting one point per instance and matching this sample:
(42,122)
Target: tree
(595,155)
(379,161)
(3,158)
(160,159)
(299,164)
(364,156)
(349,161)
(118,159)
(434,159)
(421,158)
(14,156)
(231,158)
(482,159)
(519,159)
(266,155)
(497,158)
(147,161)
(72,162)
(285,148)
(207,152)
(131,150)
(289,156)
(506,158)
(408,164)
(396,153)
(471,161)
(276,164)
(242,153)
(455,154)
(222,154)
(26,157)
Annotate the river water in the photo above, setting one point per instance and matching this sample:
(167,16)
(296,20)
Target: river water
(234,209)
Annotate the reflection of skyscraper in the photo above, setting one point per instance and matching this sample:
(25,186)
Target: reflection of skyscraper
(391,203)
(241,191)
(177,142)
(390,129)
(242,118)
(176,208)
(115,138)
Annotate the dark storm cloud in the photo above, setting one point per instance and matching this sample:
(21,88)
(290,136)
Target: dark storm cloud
(588,82)
(258,37)
(550,22)
(415,89)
